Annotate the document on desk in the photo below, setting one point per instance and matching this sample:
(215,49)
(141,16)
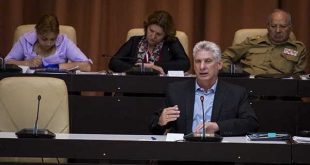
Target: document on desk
(26,69)
(175,73)
(172,137)
(305,77)
(91,73)
(300,139)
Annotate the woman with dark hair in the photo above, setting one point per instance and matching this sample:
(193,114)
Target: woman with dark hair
(159,49)
(45,47)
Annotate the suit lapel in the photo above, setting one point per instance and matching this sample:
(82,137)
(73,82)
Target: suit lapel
(190,95)
(219,98)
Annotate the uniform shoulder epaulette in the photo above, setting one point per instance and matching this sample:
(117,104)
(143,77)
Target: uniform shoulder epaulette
(299,43)
(256,37)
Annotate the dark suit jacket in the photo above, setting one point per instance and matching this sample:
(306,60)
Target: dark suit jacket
(172,56)
(231,109)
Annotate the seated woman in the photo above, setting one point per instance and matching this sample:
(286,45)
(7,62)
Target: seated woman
(45,47)
(159,49)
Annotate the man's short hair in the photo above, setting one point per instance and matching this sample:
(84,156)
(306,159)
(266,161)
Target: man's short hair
(289,17)
(208,46)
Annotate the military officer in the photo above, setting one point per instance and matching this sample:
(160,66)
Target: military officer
(274,53)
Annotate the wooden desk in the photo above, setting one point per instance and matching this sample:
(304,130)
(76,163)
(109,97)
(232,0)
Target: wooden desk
(304,88)
(66,77)
(136,98)
(300,153)
(267,86)
(141,147)
(121,84)
(130,114)
(158,84)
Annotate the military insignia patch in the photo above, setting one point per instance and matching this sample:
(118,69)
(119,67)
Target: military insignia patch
(290,52)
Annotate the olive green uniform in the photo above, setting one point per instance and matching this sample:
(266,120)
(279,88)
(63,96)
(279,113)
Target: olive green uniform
(257,55)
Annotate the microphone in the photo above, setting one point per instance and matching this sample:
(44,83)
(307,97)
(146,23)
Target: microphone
(35,132)
(2,63)
(136,70)
(9,68)
(203,137)
(203,117)
(234,70)
(142,68)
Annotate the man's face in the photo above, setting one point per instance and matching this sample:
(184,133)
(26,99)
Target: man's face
(279,28)
(206,66)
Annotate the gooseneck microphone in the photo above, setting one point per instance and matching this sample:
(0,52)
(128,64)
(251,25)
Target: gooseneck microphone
(2,63)
(203,117)
(142,68)
(136,70)
(35,132)
(203,137)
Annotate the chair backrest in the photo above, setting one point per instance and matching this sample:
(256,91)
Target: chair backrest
(64,29)
(180,35)
(242,34)
(19,103)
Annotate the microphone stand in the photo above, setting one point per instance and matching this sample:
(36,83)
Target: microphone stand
(203,118)
(35,132)
(9,67)
(136,70)
(204,137)
(142,69)
(2,63)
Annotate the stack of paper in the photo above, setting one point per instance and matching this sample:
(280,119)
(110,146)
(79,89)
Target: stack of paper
(300,139)
(305,77)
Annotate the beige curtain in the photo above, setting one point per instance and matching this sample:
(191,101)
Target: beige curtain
(102,25)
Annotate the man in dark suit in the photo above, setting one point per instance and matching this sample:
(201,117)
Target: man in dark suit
(227,109)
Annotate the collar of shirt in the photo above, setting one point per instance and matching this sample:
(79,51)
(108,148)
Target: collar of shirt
(199,90)
(32,38)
